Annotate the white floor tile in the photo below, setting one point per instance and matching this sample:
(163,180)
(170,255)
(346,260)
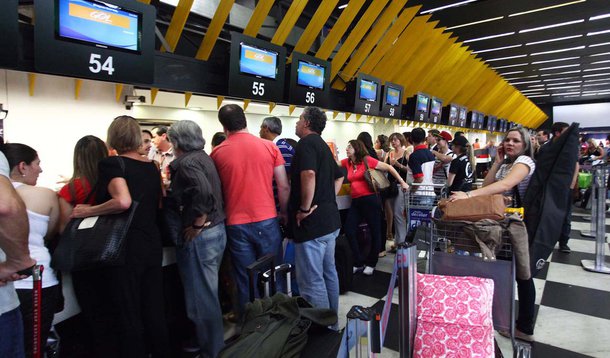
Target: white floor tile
(573,331)
(350,299)
(577,276)
(505,344)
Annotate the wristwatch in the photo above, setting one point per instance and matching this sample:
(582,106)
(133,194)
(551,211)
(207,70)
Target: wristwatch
(305,211)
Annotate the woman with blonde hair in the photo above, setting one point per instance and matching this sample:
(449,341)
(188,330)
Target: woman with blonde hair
(510,175)
(130,293)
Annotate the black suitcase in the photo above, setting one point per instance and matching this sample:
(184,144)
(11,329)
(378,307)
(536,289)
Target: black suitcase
(344,262)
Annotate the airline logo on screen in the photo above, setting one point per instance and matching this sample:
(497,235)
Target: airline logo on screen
(97,15)
(367,86)
(311,71)
(257,56)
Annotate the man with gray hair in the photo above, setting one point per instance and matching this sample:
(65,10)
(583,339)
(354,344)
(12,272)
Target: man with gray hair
(271,128)
(201,236)
(313,212)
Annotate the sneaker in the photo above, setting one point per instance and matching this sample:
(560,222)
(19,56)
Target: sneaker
(565,249)
(368,270)
(357,269)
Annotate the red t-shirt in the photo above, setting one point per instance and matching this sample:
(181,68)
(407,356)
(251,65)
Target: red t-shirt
(245,165)
(355,175)
(81,191)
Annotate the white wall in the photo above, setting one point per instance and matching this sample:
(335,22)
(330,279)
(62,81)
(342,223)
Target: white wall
(588,115)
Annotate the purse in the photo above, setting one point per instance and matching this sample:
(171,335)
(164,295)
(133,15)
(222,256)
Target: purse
(474,209)
(376,179)
(94,242)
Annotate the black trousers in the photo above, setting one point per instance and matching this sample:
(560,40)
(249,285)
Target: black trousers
(367,208)
(50,300)
(527,305)
(124,310)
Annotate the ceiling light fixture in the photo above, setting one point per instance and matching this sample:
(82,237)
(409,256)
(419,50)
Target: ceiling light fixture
(520,78)
(597,90)
(556,67)
(598,32)
(565,94)
(341,7)
(596,84)
(531,86)
(496,49)
(598,62)
(597,75)
(546,8)
(552,26)
(510,73)
(558,79)
(475,23)
(595,94)
(597,80)
(538,95)
(505,58)
(447,7)
(560,73)
(556,60)
(489,37)
(551,40)
(600,44)
(598,17)
(524,82)
(600,54)
(557,51)
(509,66)
(561,87)
(596,69)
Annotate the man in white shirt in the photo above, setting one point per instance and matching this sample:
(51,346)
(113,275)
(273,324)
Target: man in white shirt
(14,256)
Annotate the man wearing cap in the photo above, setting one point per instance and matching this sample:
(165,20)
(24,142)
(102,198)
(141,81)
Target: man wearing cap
(443,157)
(460,174)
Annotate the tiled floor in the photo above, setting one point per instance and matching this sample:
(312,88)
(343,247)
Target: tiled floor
(573,317)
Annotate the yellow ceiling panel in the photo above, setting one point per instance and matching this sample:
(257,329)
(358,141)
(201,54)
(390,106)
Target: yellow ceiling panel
(258,17)
(335,35)
(462,81)
(315,25)
(290,18)
(176,25)
(451,61)
(389,39)
(211,36)
(455,74)
(356,35)
(369,42)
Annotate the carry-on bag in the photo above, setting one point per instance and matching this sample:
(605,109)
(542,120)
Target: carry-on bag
(37,344)
(344,262)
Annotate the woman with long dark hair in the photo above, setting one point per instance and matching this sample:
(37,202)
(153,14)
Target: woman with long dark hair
(366,204)
(367,140)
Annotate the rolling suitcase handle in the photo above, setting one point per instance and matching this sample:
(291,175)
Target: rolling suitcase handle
(37,304)
(254,271)
(274,272)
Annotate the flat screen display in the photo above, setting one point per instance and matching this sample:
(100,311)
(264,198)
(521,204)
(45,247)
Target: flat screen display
(368,90)
(422,103)
(310,75)
(392,97)
(462,117)
(100,24)
(257,61)
(474,121)
(453,113)
(435,107)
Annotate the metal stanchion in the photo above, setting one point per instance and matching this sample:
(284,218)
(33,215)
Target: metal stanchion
(599,219)
(37,347)
(407,298)
(594,199)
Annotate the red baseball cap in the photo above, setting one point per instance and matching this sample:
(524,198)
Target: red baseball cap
(444,135)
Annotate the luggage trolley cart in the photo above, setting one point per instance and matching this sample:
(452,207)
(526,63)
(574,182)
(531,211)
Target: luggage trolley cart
(452,253)
(419,205)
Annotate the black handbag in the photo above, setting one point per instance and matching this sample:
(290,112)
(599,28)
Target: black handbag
(94,242)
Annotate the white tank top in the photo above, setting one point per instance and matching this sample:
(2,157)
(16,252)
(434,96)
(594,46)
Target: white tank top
(39,224)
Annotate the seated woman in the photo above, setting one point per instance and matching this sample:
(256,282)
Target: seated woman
(365,203)
(510,175)
(43,215)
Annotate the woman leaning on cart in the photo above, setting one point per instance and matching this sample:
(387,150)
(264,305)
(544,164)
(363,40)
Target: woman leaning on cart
(510,174)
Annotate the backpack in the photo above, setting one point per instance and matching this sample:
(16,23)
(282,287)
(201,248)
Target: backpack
(277,327)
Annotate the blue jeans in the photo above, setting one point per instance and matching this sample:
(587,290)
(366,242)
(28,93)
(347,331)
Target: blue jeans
(11,334)
(198,263)
(316,271)
(249,242)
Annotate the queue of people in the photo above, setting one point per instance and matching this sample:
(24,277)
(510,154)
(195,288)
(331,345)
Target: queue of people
(223,202)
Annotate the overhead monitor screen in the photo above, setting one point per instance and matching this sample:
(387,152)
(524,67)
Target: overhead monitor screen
(257,61)
(453,112)
(98,23)
(368,90)
(392,97)
(435,107)
(422,103)
(310,75)
(462,113)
